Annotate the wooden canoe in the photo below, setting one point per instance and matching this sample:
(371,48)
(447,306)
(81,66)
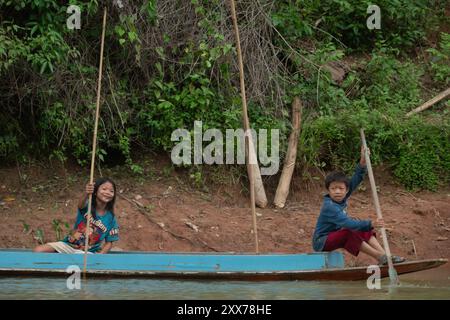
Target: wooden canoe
(210,266)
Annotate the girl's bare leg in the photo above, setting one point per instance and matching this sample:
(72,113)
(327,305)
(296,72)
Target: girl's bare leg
(44,248)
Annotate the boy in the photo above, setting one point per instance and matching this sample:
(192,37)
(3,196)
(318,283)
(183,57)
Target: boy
(334,229)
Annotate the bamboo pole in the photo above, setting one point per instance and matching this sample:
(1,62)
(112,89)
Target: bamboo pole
(94,142)
(430,102)
(291,155)
(392,272)
(252,167)
(260,194)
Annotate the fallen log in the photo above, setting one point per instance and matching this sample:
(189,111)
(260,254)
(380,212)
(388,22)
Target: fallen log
(430,102)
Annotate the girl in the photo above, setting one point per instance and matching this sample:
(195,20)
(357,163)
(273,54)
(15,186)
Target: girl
(102,227)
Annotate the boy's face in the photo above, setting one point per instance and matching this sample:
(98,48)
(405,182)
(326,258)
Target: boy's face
(337,191)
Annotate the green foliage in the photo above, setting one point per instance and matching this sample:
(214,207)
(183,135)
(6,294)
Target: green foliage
(171,105)
(161,75)
(37,37)
(424,160)
(127,34)
(58,228)
(440,61)
(38,235)
(12,49)
(8,145)
(290,19)
(26,227)
(386,89)
(417,152)
(197,179)
(389,83)
(150,8)
(403,23)
(69,132)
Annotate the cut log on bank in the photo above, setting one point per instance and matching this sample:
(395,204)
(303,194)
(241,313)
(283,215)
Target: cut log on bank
(289,162)
(430,102)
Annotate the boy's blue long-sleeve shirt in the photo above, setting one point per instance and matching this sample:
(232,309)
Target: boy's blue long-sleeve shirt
(333,215)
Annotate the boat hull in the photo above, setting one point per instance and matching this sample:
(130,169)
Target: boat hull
(207,266)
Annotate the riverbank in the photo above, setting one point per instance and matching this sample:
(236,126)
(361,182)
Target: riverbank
(161,211)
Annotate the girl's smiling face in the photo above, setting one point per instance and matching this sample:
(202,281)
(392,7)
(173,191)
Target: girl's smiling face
(105,192)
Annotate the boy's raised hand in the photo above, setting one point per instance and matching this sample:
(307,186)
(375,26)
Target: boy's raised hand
(379,223)
(362,161)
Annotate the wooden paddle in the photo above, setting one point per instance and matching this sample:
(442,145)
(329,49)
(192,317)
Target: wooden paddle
(94,142)
(392,272)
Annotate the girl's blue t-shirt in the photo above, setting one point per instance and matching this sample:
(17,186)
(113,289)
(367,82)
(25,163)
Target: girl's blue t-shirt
(103,228)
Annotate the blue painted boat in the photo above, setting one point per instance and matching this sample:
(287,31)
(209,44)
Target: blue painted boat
(231,266)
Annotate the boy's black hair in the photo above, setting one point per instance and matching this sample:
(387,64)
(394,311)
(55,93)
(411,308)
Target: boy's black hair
(110,204)
(337,176)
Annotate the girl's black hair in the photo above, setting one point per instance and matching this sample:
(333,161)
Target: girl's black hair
(110,204)
(337,177)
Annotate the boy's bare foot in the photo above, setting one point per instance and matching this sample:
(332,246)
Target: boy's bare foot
(395,259)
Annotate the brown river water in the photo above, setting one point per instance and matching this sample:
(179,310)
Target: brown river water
(432,284)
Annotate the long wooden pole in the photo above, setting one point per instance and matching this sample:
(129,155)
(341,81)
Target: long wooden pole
(392,272)
(94,142)
(249,145)
(260,194)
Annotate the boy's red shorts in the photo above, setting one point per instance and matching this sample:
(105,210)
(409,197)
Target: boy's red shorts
(350,240)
